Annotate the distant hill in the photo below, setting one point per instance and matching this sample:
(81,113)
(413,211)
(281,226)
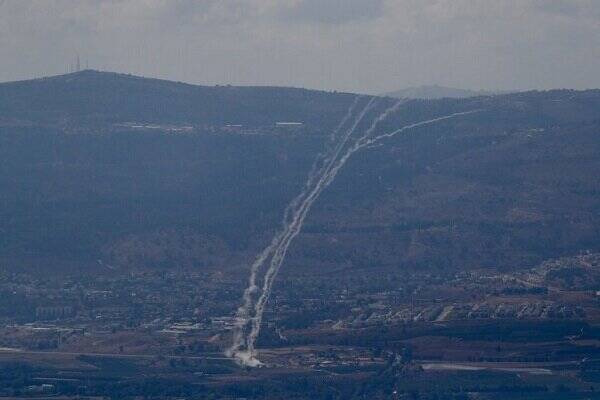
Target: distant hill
(507,187)
(436,92)
(93,97)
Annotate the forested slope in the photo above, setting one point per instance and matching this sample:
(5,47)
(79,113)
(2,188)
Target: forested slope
(513,184)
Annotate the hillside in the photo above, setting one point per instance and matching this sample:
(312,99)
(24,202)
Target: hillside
(98,98)
(507,187)
(436,92)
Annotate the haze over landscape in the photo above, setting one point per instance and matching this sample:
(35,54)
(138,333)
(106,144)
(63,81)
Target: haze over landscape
(374,46)
(334,199)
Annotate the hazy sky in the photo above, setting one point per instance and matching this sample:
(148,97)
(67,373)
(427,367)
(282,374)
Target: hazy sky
(357,45)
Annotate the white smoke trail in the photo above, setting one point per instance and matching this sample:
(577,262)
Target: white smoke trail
(299,208)
(243,313)
(326,178)
(366,141)
(323,157)
(247,357)
(293,228)
(415,125)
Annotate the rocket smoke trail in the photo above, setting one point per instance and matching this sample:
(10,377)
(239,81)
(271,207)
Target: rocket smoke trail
(326,177)
(323,172)
(243,313)
(241,338)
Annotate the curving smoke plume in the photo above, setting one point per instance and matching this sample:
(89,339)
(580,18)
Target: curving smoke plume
(244,317)
(269,261)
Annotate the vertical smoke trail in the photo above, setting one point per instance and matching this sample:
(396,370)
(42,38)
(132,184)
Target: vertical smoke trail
(297,211)
(290,232)
(247,357)
(326,178)
(322,157)
(243,313)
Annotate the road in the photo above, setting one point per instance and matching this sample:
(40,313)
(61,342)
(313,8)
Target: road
(17,352)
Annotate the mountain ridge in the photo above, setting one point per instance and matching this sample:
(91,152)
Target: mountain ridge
(89,94)
(459,194)
(431,92)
